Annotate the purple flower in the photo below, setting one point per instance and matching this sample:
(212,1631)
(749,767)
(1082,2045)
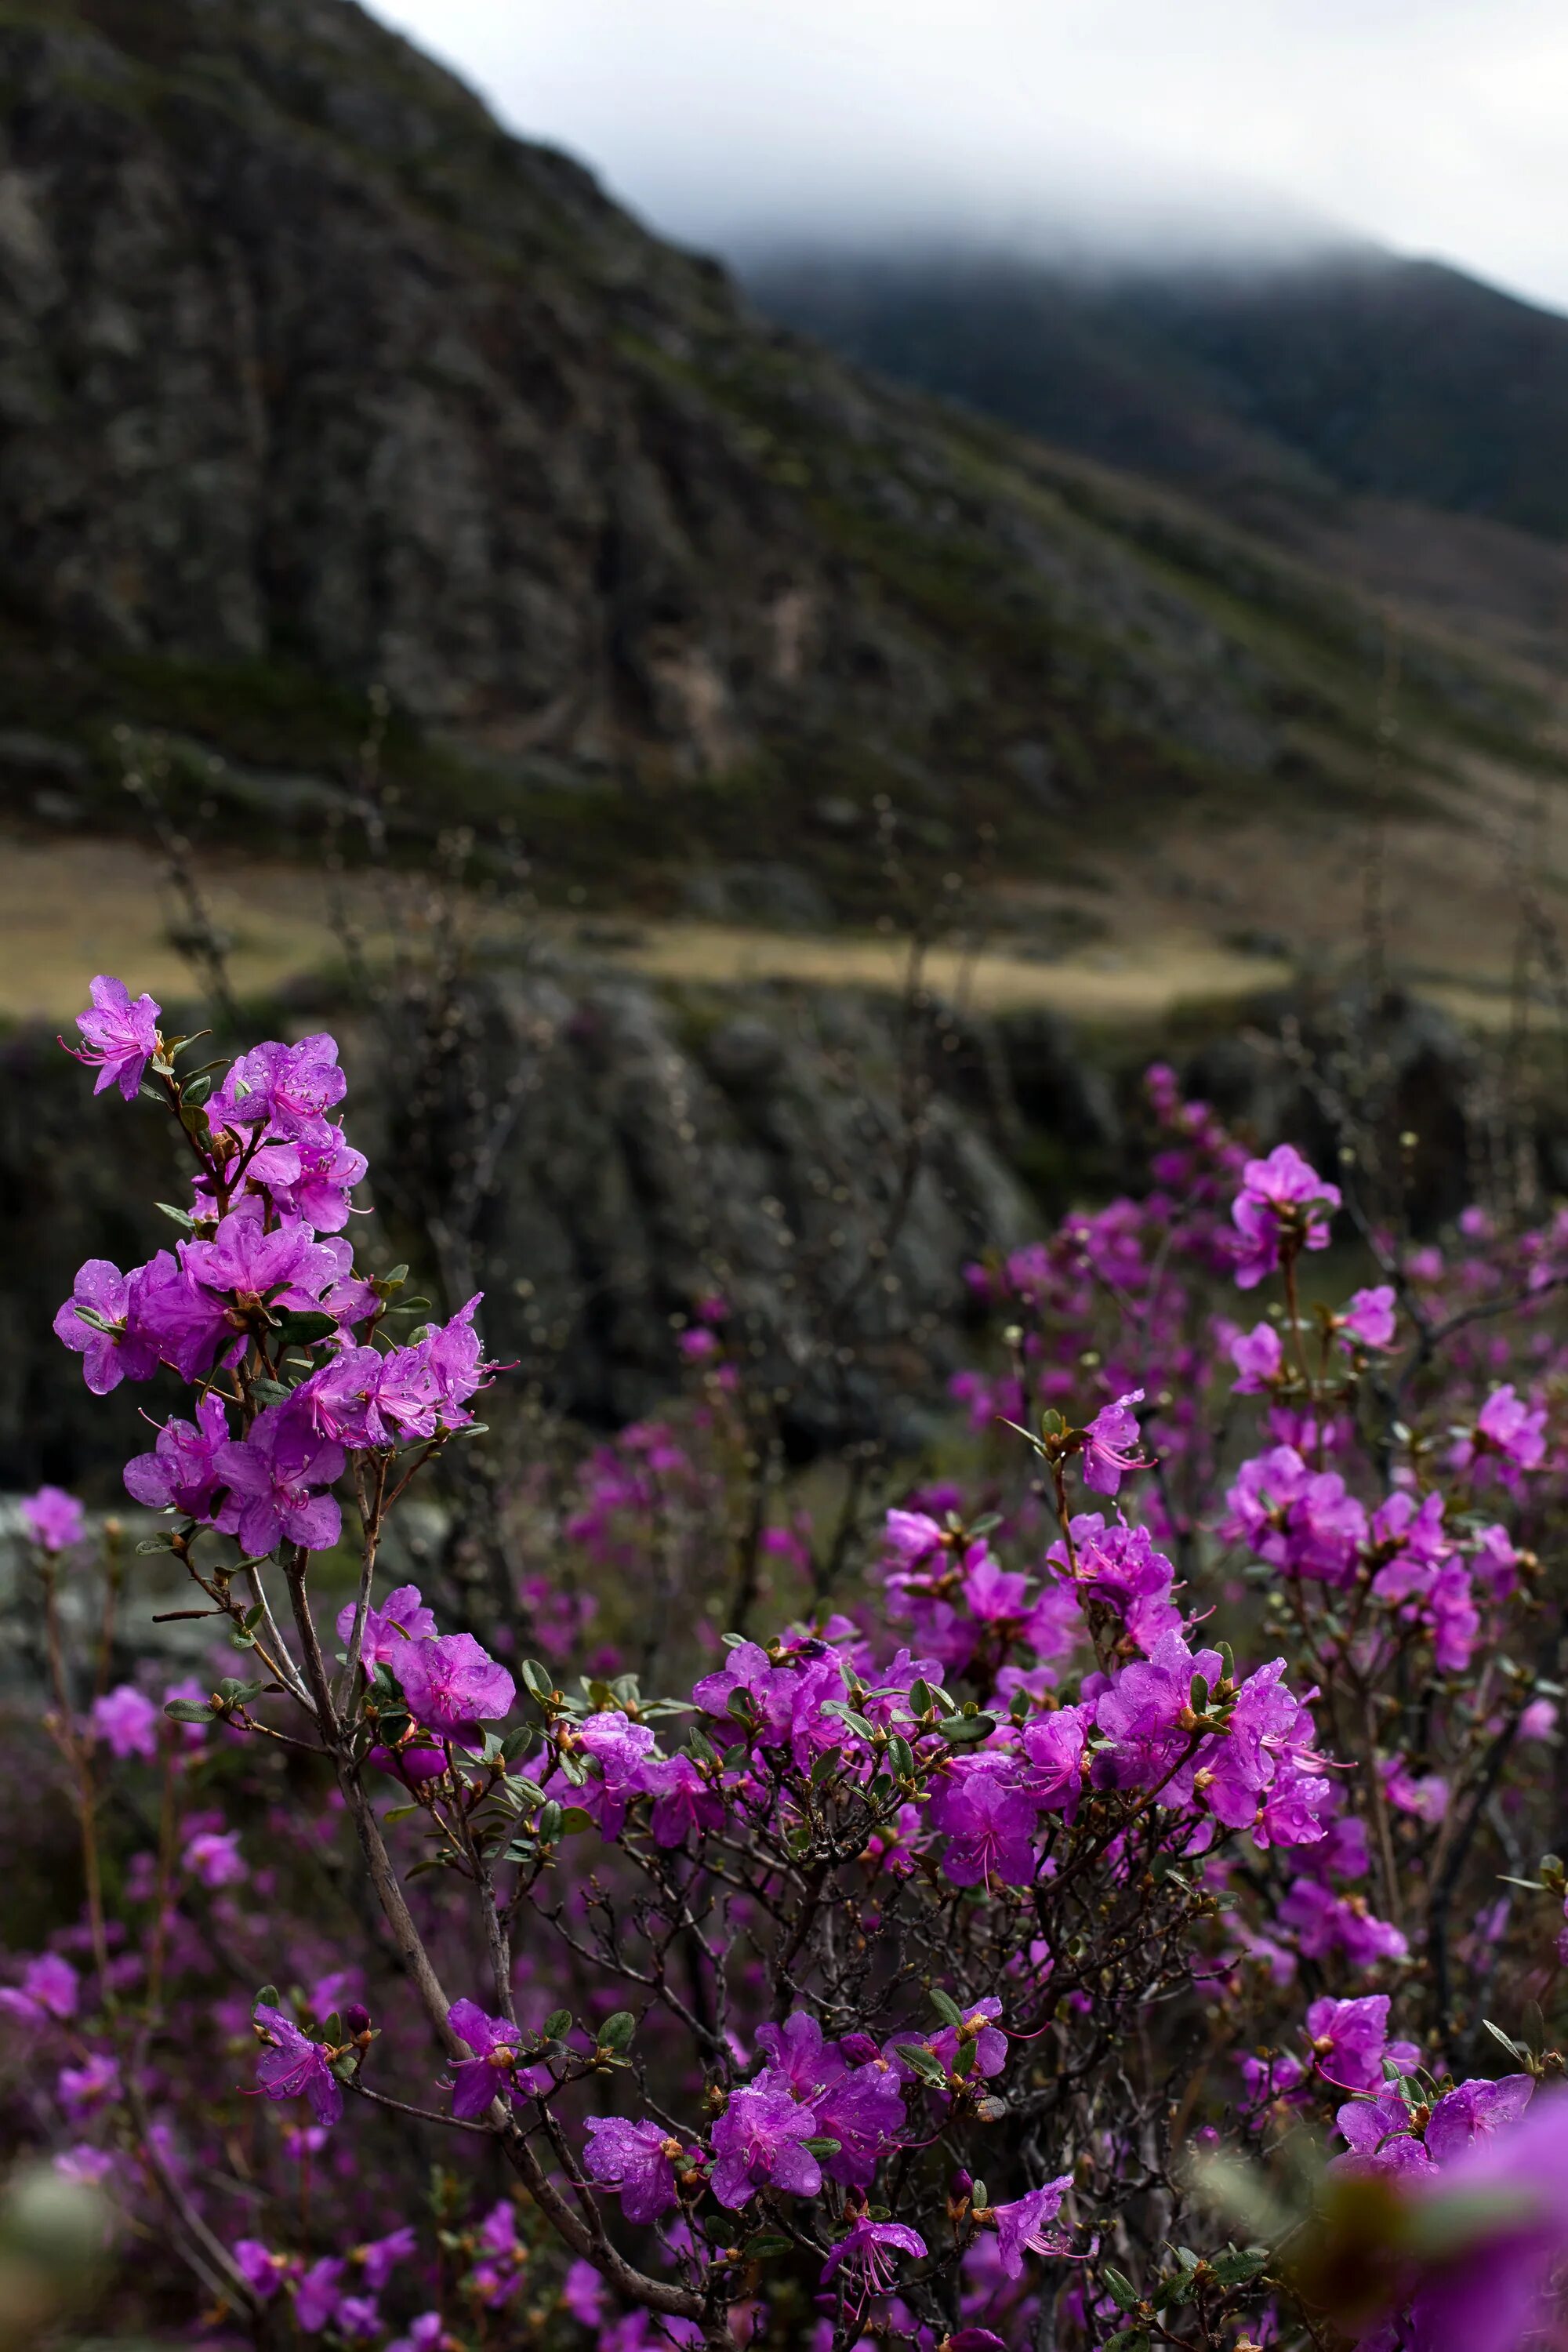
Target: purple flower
(913,1539)
(275,1479)
(53,1518)
(292,2066)
(261,2271)
(1348,2040)
(757,2141)
(1258,1357)
(1369,1316)
(683,1803)
(380,2257)
(49,1989)
(358,2317)
(868,2251)
(1281,1198)
(182,1324)
(1021,2227)
(1110,1444)
(181,1469)
(491,2072)
(1055,1745)
(95,1324)
(344,1399)
(328,1170)
(318,2294)
(977,2025)
(243,1261)
(1142,1714)
(401,1618)
(1492,2226)
(214,1857)
(1505,1427)
(451,1684)
(287,1088)
(82,2090)
(863,2111)
(583,2293)
(128,1719)
(990,1825)
(118,1038)
(1466,2116)
(638,2160)
(456,1362)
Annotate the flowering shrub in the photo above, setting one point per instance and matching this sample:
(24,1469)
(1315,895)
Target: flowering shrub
(978,1961)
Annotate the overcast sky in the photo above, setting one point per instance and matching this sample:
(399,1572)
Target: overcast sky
(1437,126)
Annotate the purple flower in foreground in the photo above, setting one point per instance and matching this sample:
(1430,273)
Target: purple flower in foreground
(275,1479)
(401,1618)
(683,1803)
(128,1719)
(1280,1197)
(1348,2040)
(246,1262)
(978,2025)
(181,1469)
(119,1036)
(868,2251)
(53,1518)
(451,1684)
(1508,1427)
(49,1989)
(1258,1359)
(491,2072)
(95,1324)
(1111,1444)
(1021,2227)
(757,2141)
(288,1087)
(638,2160)
(292,2066)
(1369,1316)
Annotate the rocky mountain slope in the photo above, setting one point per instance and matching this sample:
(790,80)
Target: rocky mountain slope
(312,379)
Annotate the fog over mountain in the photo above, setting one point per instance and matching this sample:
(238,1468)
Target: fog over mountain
(1422,125)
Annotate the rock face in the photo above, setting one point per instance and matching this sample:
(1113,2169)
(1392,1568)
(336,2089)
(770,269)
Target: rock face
(635,1155)
(307,367)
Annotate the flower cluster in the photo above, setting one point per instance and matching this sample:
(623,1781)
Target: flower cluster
(1171,1791)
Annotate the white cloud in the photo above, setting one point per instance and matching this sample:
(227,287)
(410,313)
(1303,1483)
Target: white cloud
(1435,125)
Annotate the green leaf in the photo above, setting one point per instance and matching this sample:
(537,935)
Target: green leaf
(1127,2339)
(900,1756)
(156,1543)
(768,2243)
(822,2147)
(617,2032)
(923,1699)
(557,2025)
(187,1710)
(306,1330)
(1120,2289)
(547,1828)
(265,1998)
(923,2062)
(401,1813)
(181,1217)
(538,1680)
(1232,2269)
(195,1094)
(574,1821)
(946,2008)
(961,1729)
